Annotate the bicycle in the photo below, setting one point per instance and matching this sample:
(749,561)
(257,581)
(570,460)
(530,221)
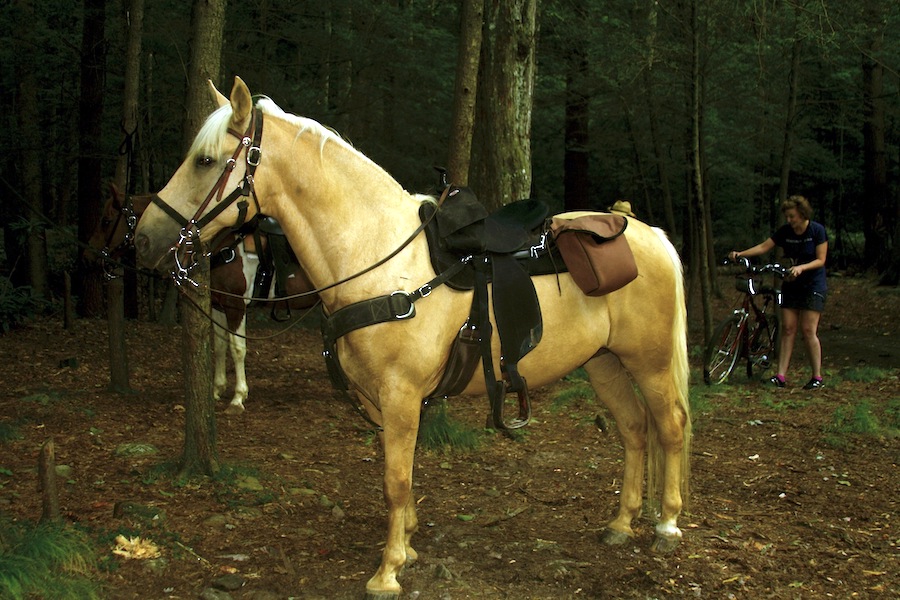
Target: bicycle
(751,331)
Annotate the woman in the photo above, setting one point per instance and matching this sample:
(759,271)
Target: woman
(805,242)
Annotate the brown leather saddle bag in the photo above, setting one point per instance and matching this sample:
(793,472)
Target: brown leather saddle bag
(595,251)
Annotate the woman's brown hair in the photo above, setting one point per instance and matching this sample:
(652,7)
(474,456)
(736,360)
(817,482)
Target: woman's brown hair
(800,204)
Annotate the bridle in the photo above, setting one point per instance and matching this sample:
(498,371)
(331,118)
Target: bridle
(184,251)
(185,255)
(108,257)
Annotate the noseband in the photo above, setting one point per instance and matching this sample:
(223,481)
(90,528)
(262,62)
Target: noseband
(184,249)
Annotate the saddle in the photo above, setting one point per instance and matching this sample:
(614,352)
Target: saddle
(505,248)
(470,248)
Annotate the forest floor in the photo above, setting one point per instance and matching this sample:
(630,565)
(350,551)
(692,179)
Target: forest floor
(794,493)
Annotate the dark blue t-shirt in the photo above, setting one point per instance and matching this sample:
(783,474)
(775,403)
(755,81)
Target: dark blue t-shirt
(802,249)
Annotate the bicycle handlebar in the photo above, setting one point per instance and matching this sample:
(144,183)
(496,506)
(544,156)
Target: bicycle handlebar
(776,268)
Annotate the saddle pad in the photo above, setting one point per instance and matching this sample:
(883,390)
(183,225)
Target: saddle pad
(595,251)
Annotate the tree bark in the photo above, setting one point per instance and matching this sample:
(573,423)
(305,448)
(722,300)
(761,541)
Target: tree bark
(115,291)
(576,160)
(465,91)
(878,219)
(47,478)
(788,143)
(505,92)
(199,455)
(30,137)
(90,127)
(700,258)
(207,29)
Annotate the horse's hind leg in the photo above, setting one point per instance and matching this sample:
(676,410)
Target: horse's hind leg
(668,448)
(614,388)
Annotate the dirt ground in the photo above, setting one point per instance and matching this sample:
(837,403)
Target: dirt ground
(784,504)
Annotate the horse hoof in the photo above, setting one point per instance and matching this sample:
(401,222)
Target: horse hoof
(382,595)
(663,544)
(234,409)
(611,537)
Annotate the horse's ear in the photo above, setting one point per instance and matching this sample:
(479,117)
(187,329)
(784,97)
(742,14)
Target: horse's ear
(218,96)
(241,102)
(115,195)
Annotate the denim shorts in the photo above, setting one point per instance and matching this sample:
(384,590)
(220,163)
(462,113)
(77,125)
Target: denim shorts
(804,300)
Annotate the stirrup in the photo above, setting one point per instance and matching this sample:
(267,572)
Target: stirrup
(497,399)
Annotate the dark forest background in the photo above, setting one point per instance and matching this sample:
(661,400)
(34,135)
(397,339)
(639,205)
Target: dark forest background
(796,96)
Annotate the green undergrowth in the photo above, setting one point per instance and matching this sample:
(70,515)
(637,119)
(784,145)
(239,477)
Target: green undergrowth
(438,431)
(864,374)
(45,560)
(864,418)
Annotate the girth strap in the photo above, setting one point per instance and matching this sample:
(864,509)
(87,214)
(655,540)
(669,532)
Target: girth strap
(397,306)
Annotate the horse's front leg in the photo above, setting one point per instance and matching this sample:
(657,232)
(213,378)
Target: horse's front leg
(401,424)
(238,343)
(220,342)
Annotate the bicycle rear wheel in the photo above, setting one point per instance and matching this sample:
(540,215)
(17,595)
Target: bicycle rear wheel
(723,351)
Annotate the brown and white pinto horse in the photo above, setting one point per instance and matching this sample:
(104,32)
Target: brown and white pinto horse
(231,276)
(351,226)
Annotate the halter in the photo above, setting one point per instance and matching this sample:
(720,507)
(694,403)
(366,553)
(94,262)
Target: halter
(106,254)
(183,250)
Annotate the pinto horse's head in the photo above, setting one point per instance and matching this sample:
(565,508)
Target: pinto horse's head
(198,198)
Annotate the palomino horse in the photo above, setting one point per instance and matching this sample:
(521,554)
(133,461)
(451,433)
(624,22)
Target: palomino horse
(354,230)
(234,268)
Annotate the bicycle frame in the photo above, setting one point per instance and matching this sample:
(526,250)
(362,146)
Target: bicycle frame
(750,332)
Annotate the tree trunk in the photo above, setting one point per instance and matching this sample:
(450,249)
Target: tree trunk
(505,91)
(576,160)
(659,152)
(465,91)
(199,456)
(115,292)
(788,143)
(207,29)
(878,219)
(30,134)
(118,349)
(700,258)
(90,122)
(49,488)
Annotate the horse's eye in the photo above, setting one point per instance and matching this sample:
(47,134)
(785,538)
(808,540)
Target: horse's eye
(205,161)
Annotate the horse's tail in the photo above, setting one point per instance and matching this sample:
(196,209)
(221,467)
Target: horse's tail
(680,370)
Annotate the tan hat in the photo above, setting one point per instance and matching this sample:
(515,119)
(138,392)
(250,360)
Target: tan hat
(622,207)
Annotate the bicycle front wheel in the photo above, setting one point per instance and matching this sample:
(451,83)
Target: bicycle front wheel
(723,351)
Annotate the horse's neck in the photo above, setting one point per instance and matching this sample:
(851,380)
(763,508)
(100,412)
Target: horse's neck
(354,216)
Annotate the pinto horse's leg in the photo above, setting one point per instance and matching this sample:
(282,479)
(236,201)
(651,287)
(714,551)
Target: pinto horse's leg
(238,344)
(399,440)
(614,388)
(220,341)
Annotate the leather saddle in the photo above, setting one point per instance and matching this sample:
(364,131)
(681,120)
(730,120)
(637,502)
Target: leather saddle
(505,248)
